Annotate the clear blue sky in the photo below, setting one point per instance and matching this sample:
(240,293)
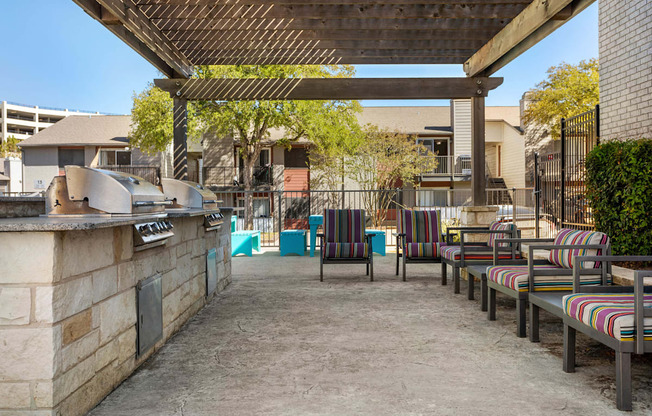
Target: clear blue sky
(55,55)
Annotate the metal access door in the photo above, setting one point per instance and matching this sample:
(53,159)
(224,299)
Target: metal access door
(150,313)
(211,271)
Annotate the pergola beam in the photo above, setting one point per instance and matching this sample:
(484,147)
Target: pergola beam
(149,37)
(332,60)
(328,88)
(199,47)
(209,36)
(533,24)
(312,2)
(95,10)
(334,11)
(172,24)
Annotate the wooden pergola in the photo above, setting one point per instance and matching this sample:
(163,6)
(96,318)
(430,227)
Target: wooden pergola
(482,35)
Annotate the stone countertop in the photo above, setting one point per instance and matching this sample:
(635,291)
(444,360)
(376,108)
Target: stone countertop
(192,212)
(22,199)
(70,223)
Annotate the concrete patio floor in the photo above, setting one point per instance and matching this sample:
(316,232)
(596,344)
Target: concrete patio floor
(278,341)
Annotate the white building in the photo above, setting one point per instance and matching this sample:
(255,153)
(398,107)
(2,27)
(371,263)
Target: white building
(23,121)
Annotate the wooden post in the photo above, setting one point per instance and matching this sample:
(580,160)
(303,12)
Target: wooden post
(180,127)
(478,181)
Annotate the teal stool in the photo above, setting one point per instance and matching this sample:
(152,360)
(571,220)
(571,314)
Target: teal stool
(377,241)
(244,242)
(234,219)
(293,241)
(314,221)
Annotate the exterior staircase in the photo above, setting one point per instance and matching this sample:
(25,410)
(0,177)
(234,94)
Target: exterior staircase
(498,197)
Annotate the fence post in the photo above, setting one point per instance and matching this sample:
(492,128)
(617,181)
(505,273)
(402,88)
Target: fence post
(537,195)
(562,202)
(514,206)
(280,216)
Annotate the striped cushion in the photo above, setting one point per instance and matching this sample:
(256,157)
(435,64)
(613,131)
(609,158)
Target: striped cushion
(564,258)
(420,226)
(346,250)
(455,253)
(516,278)
(496,225)
(611,314)
(344,225)
(423,250)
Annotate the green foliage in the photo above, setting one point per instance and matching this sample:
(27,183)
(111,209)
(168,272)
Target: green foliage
(10,147)
(620,194)
(382,162)
(569,90)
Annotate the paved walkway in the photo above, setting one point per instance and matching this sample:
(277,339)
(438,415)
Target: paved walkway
(278,341)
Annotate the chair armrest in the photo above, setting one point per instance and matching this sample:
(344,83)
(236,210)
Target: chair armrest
(398,234)
(640,312)
(465,228)
(606,259)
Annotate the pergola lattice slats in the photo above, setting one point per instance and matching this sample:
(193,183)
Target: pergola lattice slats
(331,60)
(312,2)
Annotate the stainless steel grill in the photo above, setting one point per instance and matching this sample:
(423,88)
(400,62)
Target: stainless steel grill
(191,195)
(102,193)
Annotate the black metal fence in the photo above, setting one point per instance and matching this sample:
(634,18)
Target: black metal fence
(274,211)
(560,180)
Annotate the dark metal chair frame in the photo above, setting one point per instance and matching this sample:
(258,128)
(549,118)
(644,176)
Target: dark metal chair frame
(466,248)
(623,349)
(522,298)
(369,260)
(406,259)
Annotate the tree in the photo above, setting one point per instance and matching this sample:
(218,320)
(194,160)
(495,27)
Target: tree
(382,162)
(568,91)
(250,122)
(9,148)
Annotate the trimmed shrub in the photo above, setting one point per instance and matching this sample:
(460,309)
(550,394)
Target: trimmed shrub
(619,189)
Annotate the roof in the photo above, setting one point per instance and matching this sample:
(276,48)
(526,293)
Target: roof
(91,130)
(511,115)
(4,178)
(409,120)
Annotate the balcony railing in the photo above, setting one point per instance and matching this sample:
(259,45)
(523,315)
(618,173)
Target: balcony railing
(450,166)
(226,176)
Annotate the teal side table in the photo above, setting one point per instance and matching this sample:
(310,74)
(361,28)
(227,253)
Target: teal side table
(377,241)
(314,221)
(294,241)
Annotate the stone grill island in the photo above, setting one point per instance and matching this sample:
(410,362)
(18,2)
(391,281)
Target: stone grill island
(77,292)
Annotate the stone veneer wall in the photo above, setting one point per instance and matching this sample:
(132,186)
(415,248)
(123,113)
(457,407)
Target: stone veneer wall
(625,69)
(68,309)
(13,207)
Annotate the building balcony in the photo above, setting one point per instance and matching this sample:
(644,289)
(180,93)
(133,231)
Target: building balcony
(229,176)
(450,166)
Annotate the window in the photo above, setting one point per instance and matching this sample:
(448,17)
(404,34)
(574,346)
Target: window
(438,146)
(263,160)
(115,157)
(71,157)
(261,207)
(297,157)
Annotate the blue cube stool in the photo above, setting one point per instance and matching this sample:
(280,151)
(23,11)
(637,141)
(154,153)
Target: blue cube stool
(244,242)
(377,241)
(293,241)
(315,221)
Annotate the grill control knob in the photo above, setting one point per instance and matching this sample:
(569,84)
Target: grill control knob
(169,224)
(156,228)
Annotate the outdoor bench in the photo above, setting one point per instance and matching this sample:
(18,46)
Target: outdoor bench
(552,275)
(618,317)
(464,253)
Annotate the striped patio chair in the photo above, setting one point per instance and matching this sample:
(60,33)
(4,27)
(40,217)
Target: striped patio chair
(344,240)
(418,237)
(534,282)
(463,254)
(619,317)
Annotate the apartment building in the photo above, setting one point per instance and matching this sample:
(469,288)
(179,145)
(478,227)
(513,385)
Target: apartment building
(23,121)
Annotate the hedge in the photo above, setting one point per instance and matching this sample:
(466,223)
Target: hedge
(619,190)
